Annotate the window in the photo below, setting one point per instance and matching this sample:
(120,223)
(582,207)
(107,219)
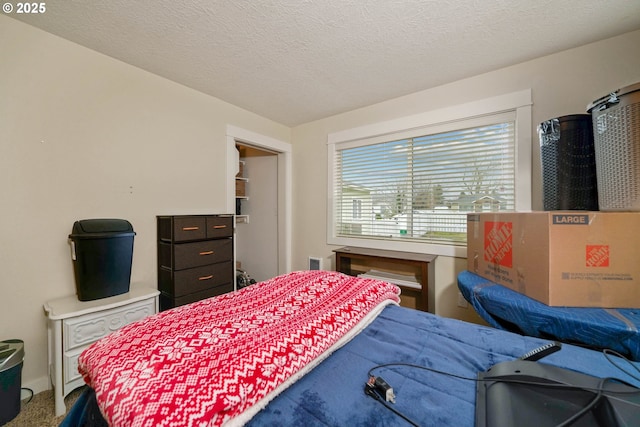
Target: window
(411,188)
(357,209)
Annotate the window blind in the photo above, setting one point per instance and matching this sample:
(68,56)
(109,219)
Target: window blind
(419,185)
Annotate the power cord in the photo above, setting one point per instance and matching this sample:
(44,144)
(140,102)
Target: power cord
(376,387)
(30,396)
(575,417)
(608,352)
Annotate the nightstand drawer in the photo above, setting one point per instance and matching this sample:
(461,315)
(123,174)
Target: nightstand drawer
(86,329)
(70,364)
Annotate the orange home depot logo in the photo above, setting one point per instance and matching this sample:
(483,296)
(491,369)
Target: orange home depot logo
(498,243)
(597,256)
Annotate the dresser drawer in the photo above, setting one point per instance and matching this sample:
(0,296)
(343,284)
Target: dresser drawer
(168,301)
(196,254)
(219,226)
(191,228)
(182,229)
(88,328)
(191,280)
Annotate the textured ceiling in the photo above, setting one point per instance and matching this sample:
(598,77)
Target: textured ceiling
(296,61)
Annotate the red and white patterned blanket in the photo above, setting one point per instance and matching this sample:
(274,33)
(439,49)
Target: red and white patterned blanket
(222,359)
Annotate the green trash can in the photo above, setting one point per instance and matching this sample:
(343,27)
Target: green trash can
(11,361)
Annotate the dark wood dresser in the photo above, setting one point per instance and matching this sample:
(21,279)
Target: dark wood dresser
(195,258)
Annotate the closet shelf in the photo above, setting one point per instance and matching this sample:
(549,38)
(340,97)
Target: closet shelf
(242,219)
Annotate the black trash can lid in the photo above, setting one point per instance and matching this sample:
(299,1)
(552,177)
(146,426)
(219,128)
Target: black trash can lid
(11,354)
(101,228)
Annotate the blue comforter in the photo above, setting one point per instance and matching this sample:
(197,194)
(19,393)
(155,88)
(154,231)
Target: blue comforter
(333,393)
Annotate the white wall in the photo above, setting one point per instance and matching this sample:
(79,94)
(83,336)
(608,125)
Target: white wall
(85,136)
(561,84)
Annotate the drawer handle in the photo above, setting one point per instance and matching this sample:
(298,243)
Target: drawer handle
(190,228)
(217,227)
(206,253)
(206,277)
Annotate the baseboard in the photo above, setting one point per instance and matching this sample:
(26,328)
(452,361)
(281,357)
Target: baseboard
(38,385)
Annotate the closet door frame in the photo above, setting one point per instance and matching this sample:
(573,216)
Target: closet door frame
(283,150)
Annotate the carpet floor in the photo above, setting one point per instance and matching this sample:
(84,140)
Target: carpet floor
(39,410)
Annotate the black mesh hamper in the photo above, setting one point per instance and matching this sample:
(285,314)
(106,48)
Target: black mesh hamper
(569,178)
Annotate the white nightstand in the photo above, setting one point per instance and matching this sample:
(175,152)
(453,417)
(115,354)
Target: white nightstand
(73,325)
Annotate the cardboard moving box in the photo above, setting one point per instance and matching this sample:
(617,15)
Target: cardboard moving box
(572,259)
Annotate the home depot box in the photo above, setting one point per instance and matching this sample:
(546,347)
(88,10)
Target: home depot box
(573,259)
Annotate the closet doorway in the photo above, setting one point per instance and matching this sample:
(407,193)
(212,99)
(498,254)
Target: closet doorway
(261,201)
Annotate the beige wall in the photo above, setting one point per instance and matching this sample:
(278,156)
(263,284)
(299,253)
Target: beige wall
(85,136)
(561,84)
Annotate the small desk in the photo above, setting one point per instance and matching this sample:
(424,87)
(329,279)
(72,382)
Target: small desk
(73,325)
(597,328)
(353,261)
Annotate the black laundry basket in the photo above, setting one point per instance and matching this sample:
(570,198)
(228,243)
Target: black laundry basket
(102,253)
(569,179)
(11,360)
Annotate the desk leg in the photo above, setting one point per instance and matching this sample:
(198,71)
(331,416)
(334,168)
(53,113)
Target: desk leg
(425,283)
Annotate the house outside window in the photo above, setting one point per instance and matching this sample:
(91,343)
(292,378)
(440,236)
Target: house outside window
(357,209)
(421,182)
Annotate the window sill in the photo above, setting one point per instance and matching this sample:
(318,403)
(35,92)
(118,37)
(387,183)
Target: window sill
(399,245)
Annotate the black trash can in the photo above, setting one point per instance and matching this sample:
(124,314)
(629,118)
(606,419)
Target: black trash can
(11,361)
(102,252)
(569,179)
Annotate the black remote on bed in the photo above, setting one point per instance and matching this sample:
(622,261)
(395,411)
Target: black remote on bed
(541,352)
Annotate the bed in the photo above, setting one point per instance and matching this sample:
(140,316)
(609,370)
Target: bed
(313,364)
